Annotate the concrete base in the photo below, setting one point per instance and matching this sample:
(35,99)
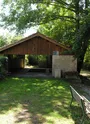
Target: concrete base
(57,73)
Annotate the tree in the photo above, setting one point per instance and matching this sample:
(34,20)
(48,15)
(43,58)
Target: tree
(82,35)
(61,31)
(8,39)
(2,41)
(11,39)
(22,14)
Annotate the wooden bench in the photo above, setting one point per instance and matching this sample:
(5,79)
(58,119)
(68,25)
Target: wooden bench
(82,101)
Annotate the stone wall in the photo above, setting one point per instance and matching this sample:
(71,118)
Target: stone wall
(63,63)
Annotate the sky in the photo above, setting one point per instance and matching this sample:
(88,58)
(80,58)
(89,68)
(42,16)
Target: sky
(4,32)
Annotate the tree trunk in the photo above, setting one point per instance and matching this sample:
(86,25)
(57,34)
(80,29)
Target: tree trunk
(80,61)
(84,38)
(83,48)
(77,14)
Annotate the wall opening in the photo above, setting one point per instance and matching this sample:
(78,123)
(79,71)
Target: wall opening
(30,63)
(38,63)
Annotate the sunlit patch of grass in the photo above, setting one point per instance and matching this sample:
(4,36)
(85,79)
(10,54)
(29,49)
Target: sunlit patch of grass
(8,117)
(59,120)
(37,101)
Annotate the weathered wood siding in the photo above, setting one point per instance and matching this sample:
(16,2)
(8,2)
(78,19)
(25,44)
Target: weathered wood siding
(15,63)
(34,46)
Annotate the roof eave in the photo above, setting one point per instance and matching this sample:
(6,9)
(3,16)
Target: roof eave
(30,37)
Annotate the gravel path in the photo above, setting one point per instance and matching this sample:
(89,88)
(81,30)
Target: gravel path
(84,87)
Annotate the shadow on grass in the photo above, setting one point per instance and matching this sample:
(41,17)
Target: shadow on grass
(39,99)
(77,114)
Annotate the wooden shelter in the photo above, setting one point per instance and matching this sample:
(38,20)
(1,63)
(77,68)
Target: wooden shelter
(36,44)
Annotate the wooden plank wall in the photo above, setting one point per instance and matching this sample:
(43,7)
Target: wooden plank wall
(15,63)
(34,46)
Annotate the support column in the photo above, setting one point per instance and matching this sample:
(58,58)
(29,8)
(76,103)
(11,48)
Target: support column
(10,62)
(56,71)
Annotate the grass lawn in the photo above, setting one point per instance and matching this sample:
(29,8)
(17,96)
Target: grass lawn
(37,101)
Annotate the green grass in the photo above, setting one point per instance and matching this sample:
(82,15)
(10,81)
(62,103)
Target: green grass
(37,101)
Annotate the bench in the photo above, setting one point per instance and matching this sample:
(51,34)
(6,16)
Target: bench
(82,101)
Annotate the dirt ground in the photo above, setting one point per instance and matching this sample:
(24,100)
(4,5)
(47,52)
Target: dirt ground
(84,86)
(85,73)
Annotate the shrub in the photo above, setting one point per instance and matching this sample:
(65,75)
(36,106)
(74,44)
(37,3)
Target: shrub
(86,64)
(32,60)
(42,64)
(40,60)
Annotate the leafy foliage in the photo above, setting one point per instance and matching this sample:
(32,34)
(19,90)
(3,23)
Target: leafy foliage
(59,30)
(32,60)
(26,13)
(8,39)
(39,60)
(3,41)
(87,59)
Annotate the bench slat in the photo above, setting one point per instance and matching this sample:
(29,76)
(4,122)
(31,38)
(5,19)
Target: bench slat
(82,101)
(76,96)
(87,105)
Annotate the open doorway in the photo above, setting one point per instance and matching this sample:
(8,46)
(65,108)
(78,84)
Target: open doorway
(39,63)
(30,64)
